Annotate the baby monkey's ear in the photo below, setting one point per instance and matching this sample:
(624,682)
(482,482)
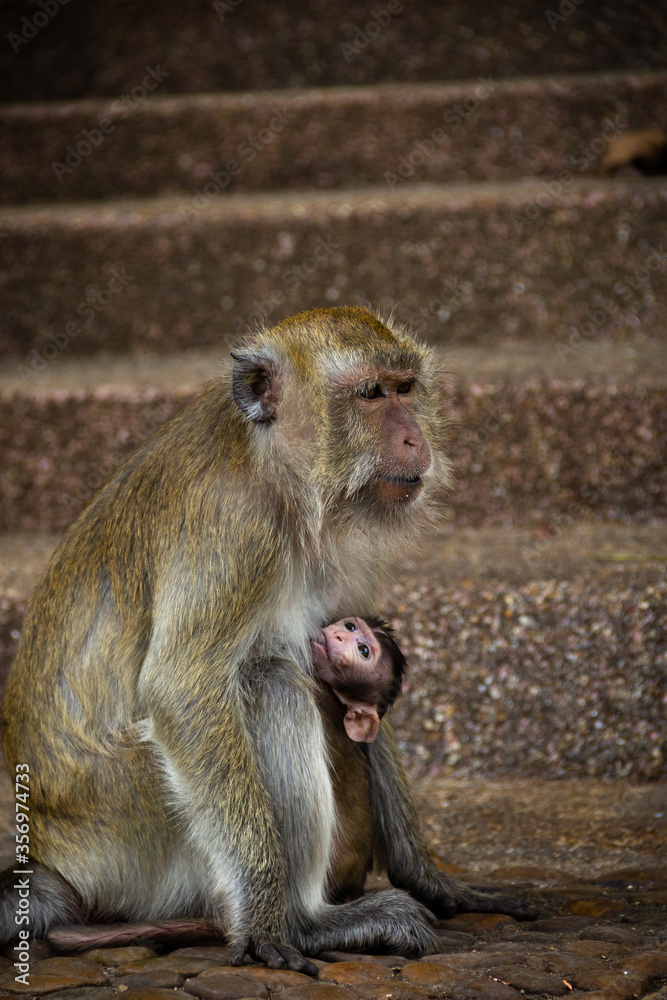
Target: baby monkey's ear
(362,723)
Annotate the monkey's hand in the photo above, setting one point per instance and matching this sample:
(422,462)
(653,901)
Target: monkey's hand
(275,954)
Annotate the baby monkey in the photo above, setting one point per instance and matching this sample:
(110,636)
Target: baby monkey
(360,660)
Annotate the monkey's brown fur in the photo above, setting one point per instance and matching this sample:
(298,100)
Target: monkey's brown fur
(162,694)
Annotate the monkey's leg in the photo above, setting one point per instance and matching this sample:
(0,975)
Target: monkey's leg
(391,921)
(234,820)
(104,841)
(52,901)
(401,847)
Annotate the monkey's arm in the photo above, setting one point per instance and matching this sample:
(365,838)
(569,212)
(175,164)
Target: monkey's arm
(401,848)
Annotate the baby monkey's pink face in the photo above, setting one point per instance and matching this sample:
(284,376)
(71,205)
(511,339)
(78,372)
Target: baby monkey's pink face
(349,658)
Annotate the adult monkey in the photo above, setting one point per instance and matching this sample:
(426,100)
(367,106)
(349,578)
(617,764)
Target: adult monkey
(162,695)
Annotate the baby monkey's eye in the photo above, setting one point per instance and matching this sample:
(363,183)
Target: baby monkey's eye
(404,387)
(350,626)
(370,391)
(364,650)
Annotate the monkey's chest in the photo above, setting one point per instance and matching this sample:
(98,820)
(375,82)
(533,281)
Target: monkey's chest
(352,851)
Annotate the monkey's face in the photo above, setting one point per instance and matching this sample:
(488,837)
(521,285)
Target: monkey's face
(398,454)
(349,658)
(353,413)
(348,654)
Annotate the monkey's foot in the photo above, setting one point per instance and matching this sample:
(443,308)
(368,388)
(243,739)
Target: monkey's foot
(276,955)
(483,902)
(452,897)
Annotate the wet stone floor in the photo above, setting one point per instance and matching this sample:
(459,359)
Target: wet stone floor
(590,856)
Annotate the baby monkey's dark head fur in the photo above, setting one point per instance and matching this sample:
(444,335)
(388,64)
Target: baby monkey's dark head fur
(390,648)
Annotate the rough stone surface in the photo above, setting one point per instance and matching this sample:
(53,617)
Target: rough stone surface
(454,940)
(427,973)
(275,979)
(349,44)
(187,964)
(159,978)
(483,989)
(41,983)
(347,973)
(389,961)
(81,969)
(354,137)
(146,993)
(87,993)
(529,981)
(110,957)
(541,703)
(609,954)
(224,986)
(317,991)
(478,264)
(219,952)
(393,989)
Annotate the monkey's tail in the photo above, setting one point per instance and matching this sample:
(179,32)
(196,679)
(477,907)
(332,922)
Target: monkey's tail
(79,937)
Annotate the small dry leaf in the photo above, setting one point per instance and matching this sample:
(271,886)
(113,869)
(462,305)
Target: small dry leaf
(569,986)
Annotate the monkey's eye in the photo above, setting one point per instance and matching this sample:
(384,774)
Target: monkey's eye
(404,387)
(370,391)
(364,650)
(350,626)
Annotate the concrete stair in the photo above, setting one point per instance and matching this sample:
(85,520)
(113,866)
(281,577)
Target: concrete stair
(470,263)
(202,146)
(102,47)
(532,440)
(536,652)
(535,620)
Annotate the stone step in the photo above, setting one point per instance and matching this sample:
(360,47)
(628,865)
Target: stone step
(535,441)
(533,260)
(204,146)
(90,49)
(528,655)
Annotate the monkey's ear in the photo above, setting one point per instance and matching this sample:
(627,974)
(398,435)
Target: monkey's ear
(362,723)
(255,387)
